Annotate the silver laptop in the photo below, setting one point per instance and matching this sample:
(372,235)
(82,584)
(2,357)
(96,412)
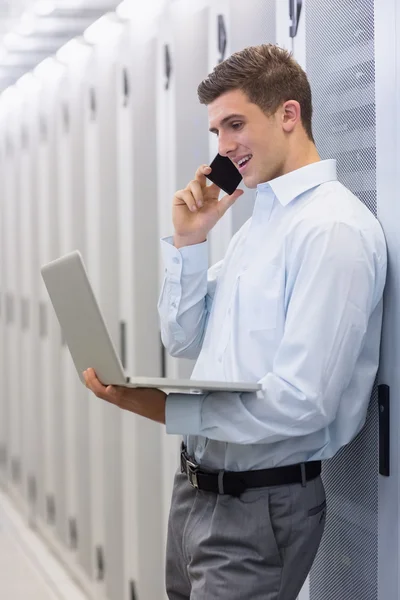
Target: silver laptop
(85,332)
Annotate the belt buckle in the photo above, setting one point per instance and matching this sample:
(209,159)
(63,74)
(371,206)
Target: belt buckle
(191,470)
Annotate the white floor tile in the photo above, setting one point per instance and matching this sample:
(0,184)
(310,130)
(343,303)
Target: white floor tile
(28,570)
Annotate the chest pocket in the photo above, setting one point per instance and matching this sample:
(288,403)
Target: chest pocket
(258,298)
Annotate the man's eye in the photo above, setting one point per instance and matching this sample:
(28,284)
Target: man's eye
(236,125)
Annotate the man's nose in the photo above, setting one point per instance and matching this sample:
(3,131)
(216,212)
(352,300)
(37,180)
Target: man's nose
(226,145)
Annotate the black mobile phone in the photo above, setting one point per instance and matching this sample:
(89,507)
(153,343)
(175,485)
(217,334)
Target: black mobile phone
(224,174)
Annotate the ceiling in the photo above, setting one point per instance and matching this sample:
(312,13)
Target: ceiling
(31,30)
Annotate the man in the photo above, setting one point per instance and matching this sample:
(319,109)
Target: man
(297,305)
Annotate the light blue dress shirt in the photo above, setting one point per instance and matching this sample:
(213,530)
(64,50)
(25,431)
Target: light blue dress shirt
(296,304)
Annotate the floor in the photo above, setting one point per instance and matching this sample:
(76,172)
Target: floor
(28,570)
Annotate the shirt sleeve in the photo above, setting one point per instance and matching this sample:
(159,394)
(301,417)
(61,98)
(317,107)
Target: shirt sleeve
(186,297)
(332,294)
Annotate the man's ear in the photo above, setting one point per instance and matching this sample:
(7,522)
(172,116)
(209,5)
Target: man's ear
(291,115)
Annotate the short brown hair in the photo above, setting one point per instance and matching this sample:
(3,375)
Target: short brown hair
(267,74)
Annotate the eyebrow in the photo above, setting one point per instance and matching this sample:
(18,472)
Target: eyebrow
(228,118)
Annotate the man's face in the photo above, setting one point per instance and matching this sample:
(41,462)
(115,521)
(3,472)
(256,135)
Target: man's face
(244,131)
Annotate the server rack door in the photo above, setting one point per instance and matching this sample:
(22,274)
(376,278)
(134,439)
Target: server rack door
(387,96)
(102,255)
(250,25)
(139,334)
(92,260)
(233,27)
(72,139)
(69,404)
(340,63)
(4,362)
(13,315)
(35,468)
(10,281)
(51,373)
(29,297)
(72,236)
(219,48)
(3,354)
(47,351)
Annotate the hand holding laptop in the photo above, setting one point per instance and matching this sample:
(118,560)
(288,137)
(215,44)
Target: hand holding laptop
(89,341)
(146,402)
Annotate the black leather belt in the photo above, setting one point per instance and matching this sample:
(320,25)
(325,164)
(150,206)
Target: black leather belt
(235,483)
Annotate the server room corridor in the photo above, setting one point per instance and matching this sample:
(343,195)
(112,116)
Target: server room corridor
(28,571)
(101,129)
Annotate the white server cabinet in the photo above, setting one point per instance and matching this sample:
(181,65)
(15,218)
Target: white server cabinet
(352,63)
(29,283)
(50,382)
(12,315)
(3,350)
(3,367)
(141,567)
(71,215)
(10,385)
(101,223)
(182,145)
(234,26)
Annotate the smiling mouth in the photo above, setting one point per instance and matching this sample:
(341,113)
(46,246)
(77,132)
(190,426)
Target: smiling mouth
(243,165)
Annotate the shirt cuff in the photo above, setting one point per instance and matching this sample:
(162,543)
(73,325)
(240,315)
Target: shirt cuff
(183,413)
(188,259)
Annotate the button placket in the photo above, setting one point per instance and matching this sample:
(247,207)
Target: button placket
(226,325)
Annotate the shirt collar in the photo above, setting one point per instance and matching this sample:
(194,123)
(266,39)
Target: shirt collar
(289,186)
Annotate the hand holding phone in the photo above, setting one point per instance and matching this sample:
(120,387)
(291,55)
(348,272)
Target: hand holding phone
(197,208)
(224,174)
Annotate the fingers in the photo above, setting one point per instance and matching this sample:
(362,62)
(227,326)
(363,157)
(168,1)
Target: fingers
(92,383)
(195,188)
(201,175)
(186,197)
(193,195)
(108,393)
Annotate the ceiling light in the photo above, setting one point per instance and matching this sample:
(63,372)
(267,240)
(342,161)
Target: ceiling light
(27,24)
(107,27)
(28,83)
(128,9)
(12,40)
(125,10)
(9,97)
(43,8)
(3,54)
(73,50)
(48,66)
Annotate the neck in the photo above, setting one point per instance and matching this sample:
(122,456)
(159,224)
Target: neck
(300,156)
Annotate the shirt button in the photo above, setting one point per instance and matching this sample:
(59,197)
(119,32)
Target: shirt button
(176,260)
(173,304)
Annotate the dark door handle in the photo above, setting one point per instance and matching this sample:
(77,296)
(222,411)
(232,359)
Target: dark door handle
(163,360)
(126,87)
(384,429)
(222,38)
(295,7)
(167,65)
(122,331)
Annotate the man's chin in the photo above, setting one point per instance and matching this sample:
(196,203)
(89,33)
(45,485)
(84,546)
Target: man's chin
(250,182)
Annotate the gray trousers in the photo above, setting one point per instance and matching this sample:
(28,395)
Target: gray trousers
(259,546)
